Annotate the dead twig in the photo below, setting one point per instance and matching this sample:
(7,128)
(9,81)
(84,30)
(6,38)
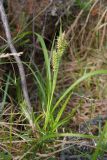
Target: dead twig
(3,55)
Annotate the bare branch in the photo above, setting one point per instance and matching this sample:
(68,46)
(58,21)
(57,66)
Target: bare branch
(17,58)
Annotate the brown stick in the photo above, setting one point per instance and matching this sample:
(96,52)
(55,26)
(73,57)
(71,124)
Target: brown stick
(17,58)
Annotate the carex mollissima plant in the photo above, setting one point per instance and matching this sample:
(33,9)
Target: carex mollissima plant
(48,88)
(51,108)
(46,121)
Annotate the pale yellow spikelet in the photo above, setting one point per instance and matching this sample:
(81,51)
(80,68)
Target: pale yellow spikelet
(60,48)
(55,60)
(61,44)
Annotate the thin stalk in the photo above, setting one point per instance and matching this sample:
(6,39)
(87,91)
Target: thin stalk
(17,58)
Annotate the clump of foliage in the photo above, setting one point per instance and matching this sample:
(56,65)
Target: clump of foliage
(49,120)
(85,5)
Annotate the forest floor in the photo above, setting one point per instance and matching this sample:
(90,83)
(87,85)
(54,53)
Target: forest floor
(79,128)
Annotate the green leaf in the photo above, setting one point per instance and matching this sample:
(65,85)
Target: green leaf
(5,156)
(101,144)
(47,62)
(60,112)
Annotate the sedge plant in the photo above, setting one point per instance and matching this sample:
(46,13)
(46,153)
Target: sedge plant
(50,117)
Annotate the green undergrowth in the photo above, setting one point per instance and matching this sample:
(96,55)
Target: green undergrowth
(49,120)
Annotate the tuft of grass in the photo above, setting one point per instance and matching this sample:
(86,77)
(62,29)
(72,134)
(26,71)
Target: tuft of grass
(50,120)
(85,5)
(101,144)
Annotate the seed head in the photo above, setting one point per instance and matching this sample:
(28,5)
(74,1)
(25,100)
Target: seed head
(61,44)
(55,60)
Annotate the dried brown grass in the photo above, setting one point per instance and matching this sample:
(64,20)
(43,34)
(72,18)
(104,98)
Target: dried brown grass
(87,52)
